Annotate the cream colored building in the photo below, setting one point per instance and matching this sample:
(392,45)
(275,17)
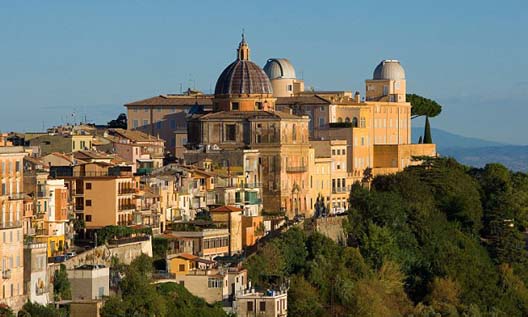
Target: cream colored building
(11,232)
(265,304)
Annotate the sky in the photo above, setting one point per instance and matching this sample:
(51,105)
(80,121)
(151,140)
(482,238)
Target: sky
(89,58)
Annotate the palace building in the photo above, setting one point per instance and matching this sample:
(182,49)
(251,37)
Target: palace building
(304,144)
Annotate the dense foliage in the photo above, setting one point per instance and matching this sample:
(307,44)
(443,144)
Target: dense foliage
(115,232)
(138,296)
(61,284)
(36,310)
(434,240)
(120,122)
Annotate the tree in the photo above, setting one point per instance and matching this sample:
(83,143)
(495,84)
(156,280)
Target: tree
(303,298)
(34,309)
(427,139)
(61,284)
(421,106)
(119,123)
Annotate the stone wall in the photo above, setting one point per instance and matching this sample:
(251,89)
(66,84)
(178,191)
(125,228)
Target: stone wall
(103,254)
(331,227)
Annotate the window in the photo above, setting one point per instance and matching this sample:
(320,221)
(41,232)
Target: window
(258,105)
(88,202)
(88,218)
(230,132)
(173,124)
(235,106)
(158,125)
(146,109)
(262,306)
(135,109)
(159,109)
(290,87)
(214,283)
(249,306)
(354,122)
(145,122)
(321,122)
(136,124)
(88,186)
(17,166)
(181,267)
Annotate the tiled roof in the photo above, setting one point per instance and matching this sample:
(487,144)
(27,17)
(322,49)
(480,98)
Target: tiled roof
(302,100)
(226,209)
(135,135)
(177,100)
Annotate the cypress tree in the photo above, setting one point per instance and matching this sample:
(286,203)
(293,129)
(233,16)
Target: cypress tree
(420,140)
(428,139)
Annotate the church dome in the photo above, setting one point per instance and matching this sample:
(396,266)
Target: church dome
(279,68)
(389,69)
(243,76)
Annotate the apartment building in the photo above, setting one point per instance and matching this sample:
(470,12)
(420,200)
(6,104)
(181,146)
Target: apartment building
(11,231)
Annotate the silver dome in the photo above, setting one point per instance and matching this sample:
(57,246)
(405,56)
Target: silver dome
(279,68)
(389,69)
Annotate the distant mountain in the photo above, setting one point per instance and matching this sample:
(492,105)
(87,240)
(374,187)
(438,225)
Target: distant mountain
(477,152)
(444,140)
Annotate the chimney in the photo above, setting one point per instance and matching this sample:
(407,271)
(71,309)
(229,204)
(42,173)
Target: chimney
(357,97)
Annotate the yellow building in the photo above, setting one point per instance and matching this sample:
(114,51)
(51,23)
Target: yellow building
(11,232)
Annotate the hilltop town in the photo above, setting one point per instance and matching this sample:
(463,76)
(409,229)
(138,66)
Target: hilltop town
(197,182)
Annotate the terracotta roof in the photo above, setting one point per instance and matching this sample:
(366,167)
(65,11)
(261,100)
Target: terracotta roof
(302,100)
(226,209)
(135,135)
(188,256)
(174,100)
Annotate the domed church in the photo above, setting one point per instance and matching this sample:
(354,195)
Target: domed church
(245,129)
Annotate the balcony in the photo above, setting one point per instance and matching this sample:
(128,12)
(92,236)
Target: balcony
(127,207)
(10,224)
(296,169)
(17,196)
(339,190)
(126,191)
(40,215)
(41,232)
(250,185)
(6,274)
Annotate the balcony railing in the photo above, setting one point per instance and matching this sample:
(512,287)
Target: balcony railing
(41,232)
(296,169)
(125,191)
(338,190)
(127,207)
(250,185)
(10,224)
(17,196)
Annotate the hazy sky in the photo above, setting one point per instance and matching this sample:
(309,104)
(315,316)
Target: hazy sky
(91,57)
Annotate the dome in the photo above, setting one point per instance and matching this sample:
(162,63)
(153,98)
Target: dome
(243,76)
(389,69)
(279,68)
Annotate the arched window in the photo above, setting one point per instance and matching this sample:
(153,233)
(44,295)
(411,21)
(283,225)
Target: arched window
(340,120)
(347,119)
(354,122)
